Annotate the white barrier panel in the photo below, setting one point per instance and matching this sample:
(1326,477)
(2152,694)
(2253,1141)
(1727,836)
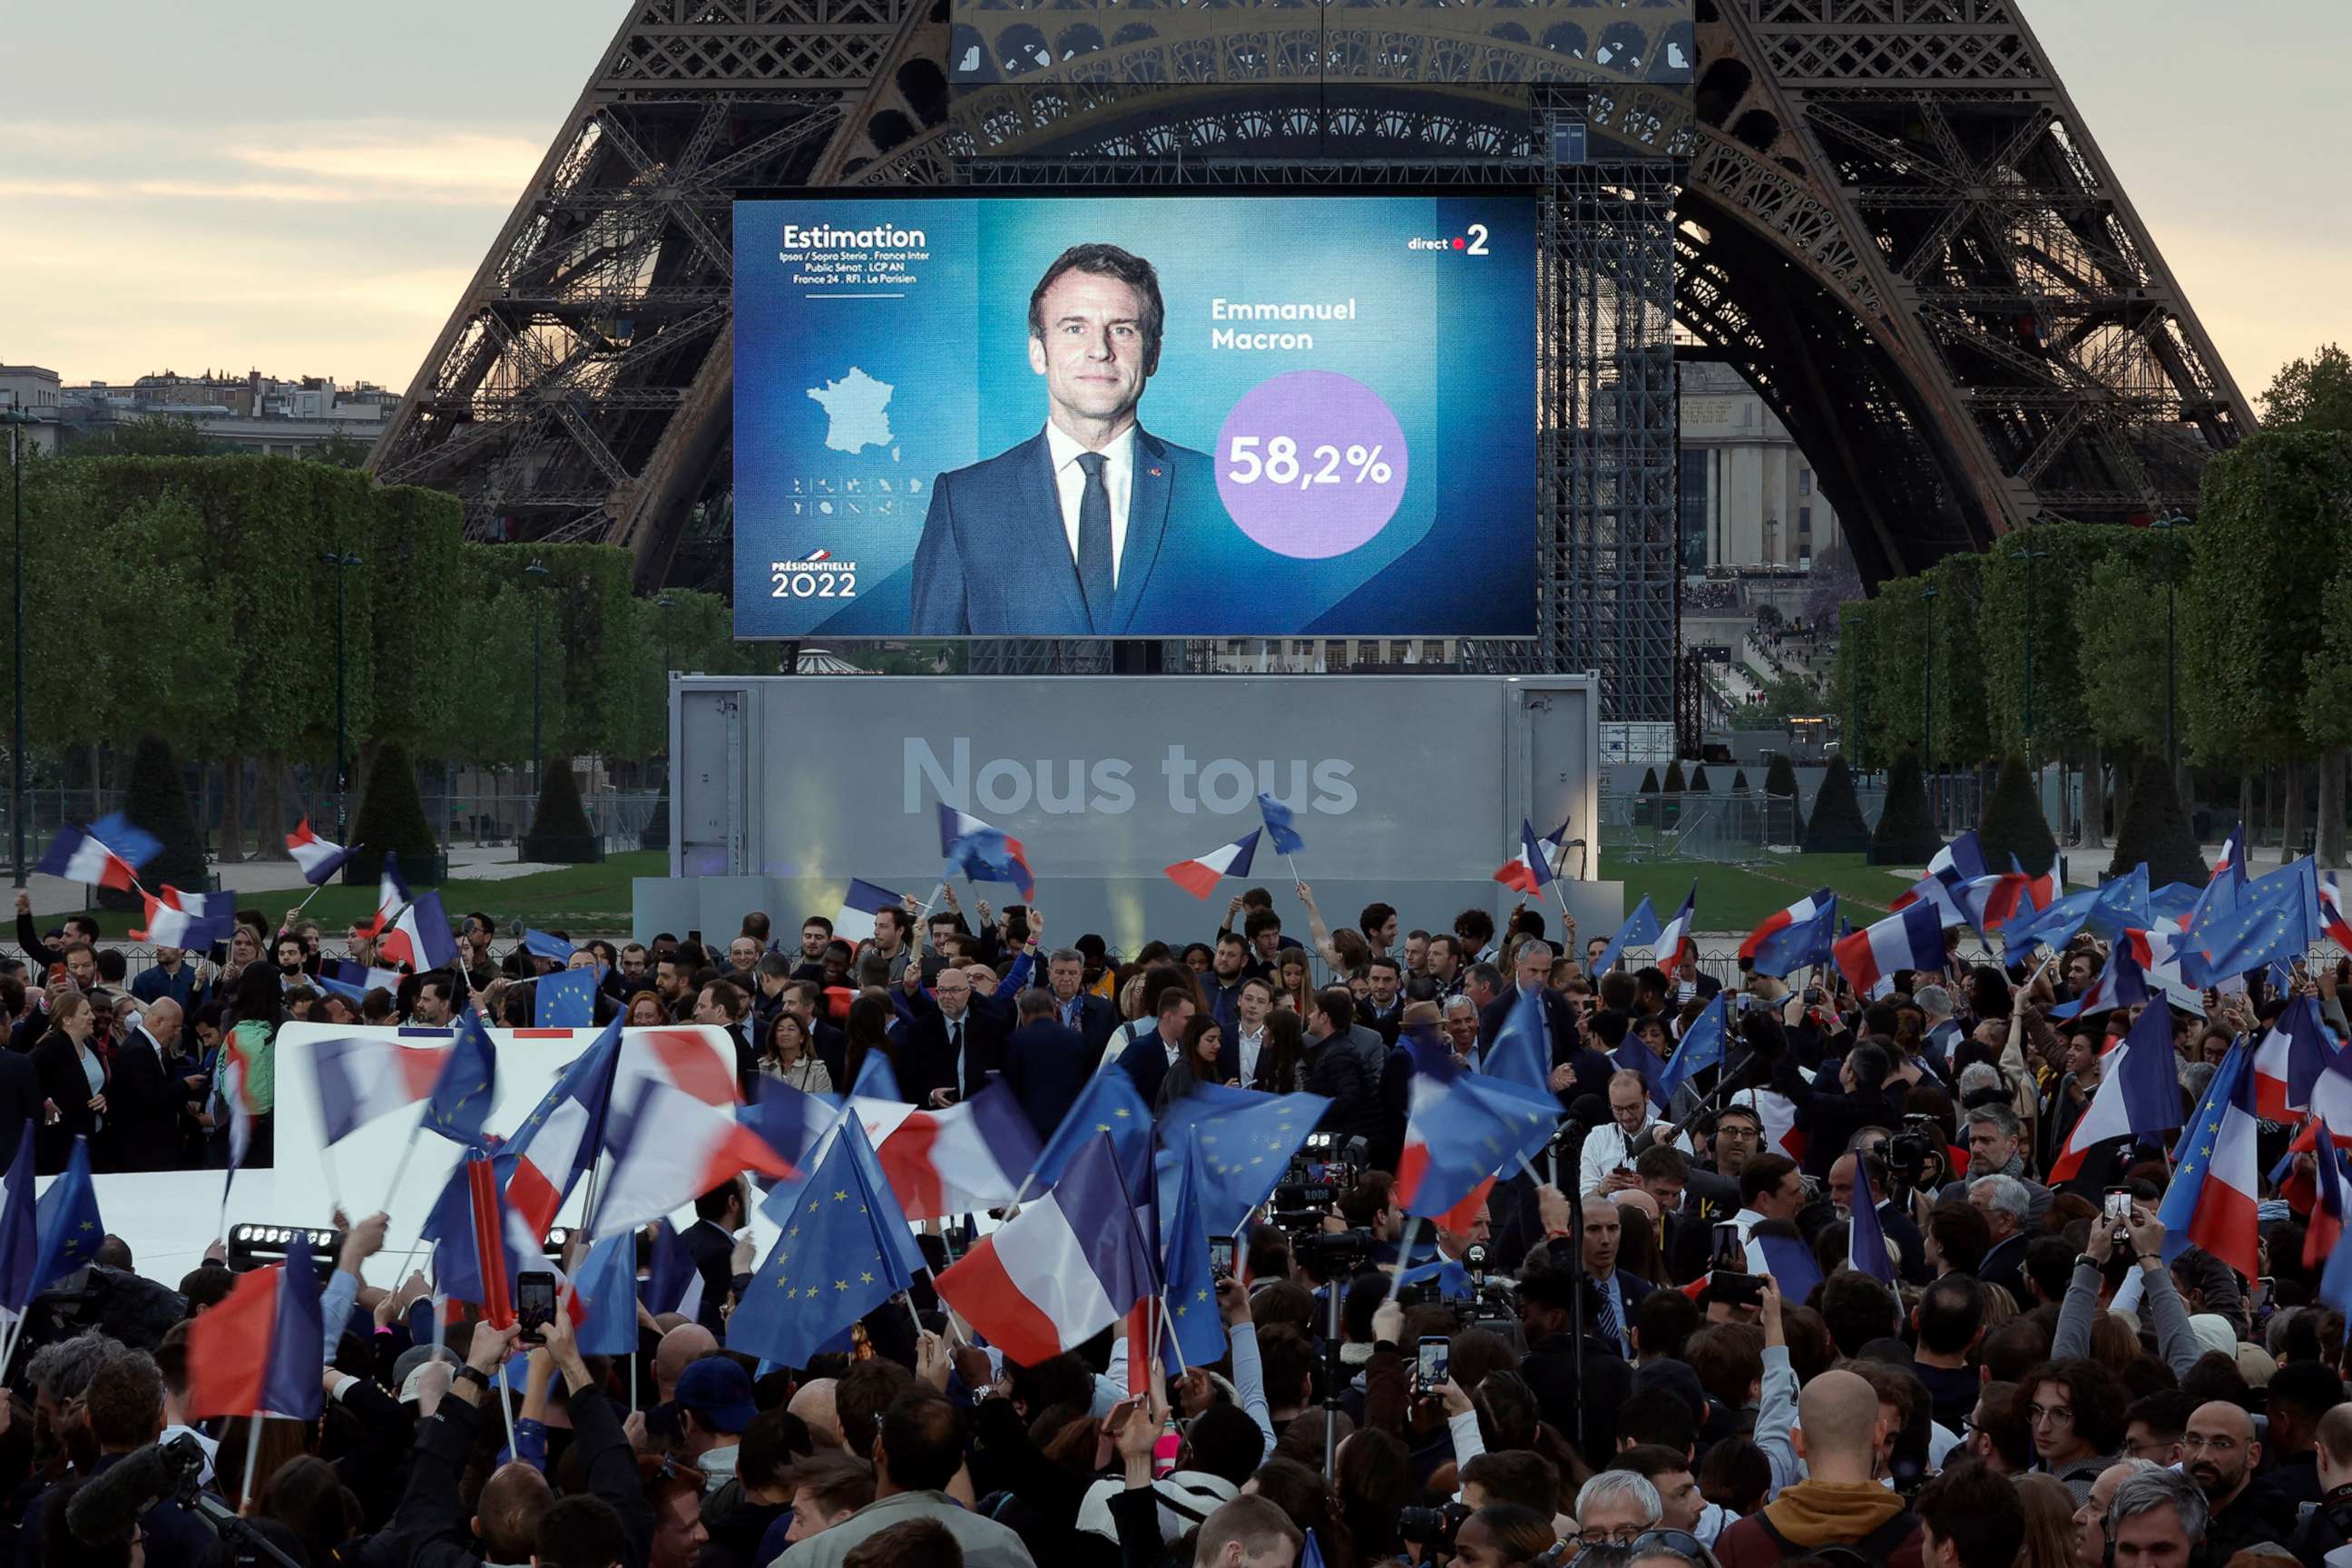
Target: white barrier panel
(169,1217)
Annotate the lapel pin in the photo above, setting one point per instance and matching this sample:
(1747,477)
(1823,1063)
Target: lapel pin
(1153,472)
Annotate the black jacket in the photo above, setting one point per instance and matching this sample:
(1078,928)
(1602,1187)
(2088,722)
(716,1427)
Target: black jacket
(430,1528)
(145,1104)
(927,1062)
(713,1251)
(1566,1044)
(1046,1065)
(65,1084)
(20,1102)
(1837,1118)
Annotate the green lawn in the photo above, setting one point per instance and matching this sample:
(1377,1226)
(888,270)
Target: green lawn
(580,900)
(1735,898)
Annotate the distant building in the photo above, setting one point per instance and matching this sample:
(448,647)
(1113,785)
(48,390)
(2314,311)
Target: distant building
(37,390)
(252,413)
(1748,499)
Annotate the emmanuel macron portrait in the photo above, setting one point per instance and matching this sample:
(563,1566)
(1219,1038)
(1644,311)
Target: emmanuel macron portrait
(1061,535)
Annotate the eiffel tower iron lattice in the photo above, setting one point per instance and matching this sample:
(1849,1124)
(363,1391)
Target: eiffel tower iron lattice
(1886,213)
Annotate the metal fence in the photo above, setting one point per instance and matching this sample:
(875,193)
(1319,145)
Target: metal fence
(1748,829)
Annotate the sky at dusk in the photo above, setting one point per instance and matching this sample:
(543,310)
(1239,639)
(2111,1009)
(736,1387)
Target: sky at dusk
(306,191)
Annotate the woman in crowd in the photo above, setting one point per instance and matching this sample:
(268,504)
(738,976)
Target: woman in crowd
(792,1058)
(73,1080)
(1196,1061)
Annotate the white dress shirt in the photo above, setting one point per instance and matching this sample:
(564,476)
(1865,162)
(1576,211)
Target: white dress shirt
(1606,1148)
(1070,484)
(1251,1045)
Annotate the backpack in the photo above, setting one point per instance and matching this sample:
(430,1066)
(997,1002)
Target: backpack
(1869,1551)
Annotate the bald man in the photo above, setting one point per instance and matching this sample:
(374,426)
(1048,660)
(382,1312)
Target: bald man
(679,1349)
(1839,1427)
(812,1402)
(2091,1515)
(2219,1452)
(143,1100)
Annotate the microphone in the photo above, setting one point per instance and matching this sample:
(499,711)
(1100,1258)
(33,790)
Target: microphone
(105,1512)
(1588,1111)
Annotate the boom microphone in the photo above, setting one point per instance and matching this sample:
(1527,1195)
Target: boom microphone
(106,1512)
(1588,1111)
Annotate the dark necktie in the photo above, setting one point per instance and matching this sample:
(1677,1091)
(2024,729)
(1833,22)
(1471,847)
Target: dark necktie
(955,1049)
(1093,541)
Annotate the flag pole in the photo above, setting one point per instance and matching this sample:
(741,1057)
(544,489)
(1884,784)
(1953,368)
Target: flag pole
(1169,1335)
(334,1186)
(506,1403)
(399,1169)
(252,1458)
(311,894)
(1405,1255)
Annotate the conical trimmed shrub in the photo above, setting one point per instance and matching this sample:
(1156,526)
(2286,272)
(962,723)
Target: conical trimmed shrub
(1645,800)
(656,833)
(1780,778)
(1906,835)
(2013,823)
(1698,784)
(1837,826)
(157,800)
(392,816)
(1674,784)
(560,831)
(2156,830)
(1739,781)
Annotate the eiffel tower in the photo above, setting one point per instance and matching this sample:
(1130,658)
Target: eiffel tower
(1886,213)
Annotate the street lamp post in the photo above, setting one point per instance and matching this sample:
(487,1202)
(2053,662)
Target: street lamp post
(340,561)
(1927,704)
(17,419)
(538,770)
(2172,526)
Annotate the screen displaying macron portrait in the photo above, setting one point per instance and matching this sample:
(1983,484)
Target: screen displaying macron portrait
(1170,415)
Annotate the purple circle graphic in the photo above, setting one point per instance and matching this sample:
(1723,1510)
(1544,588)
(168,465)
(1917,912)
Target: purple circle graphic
(1311,464)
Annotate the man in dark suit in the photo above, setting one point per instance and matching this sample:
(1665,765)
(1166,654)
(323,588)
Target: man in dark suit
(1613,1296)
(1093,1017)
(1382,1008)
(1892,1223)
(1147,1061)
(1063,534)
(954,1038)
(20,1102)
(719,1213)
(1046,1063)
(2003,1200)
(143,1099)
(1588,1069)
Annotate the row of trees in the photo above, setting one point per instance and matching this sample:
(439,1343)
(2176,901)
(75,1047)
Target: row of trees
(2052,645)
(188,599)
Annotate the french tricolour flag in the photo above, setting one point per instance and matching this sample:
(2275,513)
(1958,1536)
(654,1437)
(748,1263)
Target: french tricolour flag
(2211,1198)
(982,853)
(1805,933)
(1949,873)
(1675,936)
(968,1157)
(2289,1060)
(186,920)
(854,921)
(2331,1198)
(563,1134)
(1529,870)
(2139,1094)
(678,1147)
(2335,921)
(259,1351)
(1062,1270)
(362,1078)
(319,859)
(108,853)
(354,980)
(1911,938)
(1200,876)
(390,896)
(420,936)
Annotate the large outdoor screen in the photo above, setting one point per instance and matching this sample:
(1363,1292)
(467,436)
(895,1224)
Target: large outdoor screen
(1148,416)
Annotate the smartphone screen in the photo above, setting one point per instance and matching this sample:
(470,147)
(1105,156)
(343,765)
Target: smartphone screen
(1730,1252)
(1221,1256)
(534,1303)
(1433,1361)
(2119,1203)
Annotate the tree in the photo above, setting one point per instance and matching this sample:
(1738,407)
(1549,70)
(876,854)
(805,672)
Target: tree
(1698,784)
(392,818)
(1833,583)
(1837,826)
(1905,835)
(2313,394)
(152,435)
(1780,778)
(560,830)
(1739,781)
(656,833)
(2013,823)
(339,450)
(1674,784)
(2119,619)
(2155,829)
(157,800)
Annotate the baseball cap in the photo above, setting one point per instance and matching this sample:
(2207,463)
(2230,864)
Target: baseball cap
(719,1393)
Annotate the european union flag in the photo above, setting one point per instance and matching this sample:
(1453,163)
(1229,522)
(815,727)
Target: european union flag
(607,1281)
(565,1001)
(1277,826)
(1701,1047)
(845,1250)
(461,1097)
(1640,930)
(1247,1138)
(1109,1106)
(19,1240)
(2120,905)
(539,944)
(1520,1053)
(2276,916)
(66,1221)
(2052,924)
(1194,1322)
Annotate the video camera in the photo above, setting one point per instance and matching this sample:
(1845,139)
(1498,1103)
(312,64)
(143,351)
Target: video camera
(1913,1158)
(1432,1529)
(1329,1254)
